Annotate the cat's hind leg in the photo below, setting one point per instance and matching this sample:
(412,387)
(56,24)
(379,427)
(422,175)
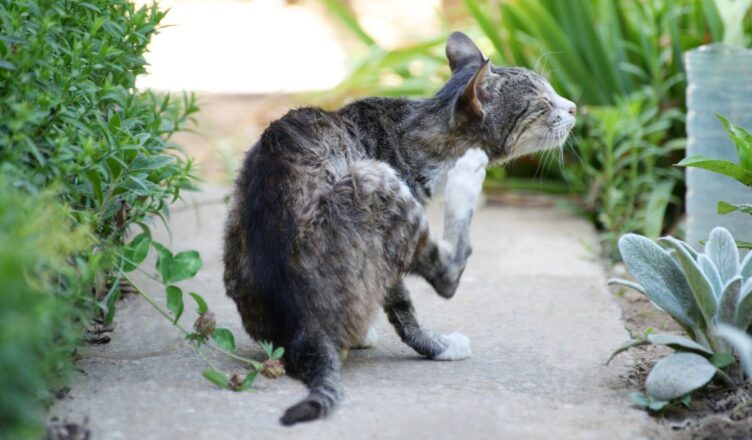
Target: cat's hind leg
(401,313)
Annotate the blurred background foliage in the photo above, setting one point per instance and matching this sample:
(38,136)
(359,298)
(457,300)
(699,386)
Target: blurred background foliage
(83,157)
(622,62)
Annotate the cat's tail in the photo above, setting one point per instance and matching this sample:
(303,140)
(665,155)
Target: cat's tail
(313,359)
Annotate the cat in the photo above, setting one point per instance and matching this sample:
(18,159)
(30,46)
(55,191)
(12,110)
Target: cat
(327,216)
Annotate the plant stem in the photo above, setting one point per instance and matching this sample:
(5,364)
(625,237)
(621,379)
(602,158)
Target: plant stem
(150,300)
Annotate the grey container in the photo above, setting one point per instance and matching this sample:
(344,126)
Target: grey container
(719,82)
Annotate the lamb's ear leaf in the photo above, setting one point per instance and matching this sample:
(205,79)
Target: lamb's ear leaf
(742,343)
(632,285)
(722,250)
(470,102)
(679,343)
(678,375)
(746,267)
(701,287)
(711,272)
(661,278)
(744,306)
(626,346)
(461,51)
(730,300)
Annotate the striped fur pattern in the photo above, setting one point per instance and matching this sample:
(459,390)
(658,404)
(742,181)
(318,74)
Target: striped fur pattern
(327,216)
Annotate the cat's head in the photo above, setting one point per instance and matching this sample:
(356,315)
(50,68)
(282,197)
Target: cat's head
(509,112)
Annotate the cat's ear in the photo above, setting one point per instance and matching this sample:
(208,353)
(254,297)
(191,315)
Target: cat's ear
(461,51)
(470,102)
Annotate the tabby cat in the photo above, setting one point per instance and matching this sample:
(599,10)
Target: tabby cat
(327,216)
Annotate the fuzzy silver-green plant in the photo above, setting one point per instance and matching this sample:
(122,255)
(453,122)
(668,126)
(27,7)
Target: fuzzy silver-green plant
(704,293)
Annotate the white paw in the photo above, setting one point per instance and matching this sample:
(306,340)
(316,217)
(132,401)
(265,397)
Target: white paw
(465,182)
(369,340)
(458,347)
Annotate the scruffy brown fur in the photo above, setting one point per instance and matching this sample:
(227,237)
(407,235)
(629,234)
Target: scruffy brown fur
(327,216)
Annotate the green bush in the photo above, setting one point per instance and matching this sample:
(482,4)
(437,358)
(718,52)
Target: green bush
(71,119)
(43,295)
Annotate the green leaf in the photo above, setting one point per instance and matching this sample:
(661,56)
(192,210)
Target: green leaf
(217,378)
(718,166)
(225,339)
(725,208)
(185,265)
(742,139)
(179,267)
(278,353)
(655,210)
(677,375)
(164,261)
(201,304)
(175,302)
(722,250)
(249,379)
(722,360)
(7,65)
(661,277)
(135,252)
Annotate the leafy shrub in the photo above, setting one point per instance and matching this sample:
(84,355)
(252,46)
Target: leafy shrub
(42,297)
(72,120)
(700,292)
(69,112)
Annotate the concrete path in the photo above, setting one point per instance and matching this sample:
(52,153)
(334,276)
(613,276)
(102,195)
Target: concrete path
(532,302)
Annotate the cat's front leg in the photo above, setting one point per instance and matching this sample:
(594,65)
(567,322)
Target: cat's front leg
(442,262)
(463,188)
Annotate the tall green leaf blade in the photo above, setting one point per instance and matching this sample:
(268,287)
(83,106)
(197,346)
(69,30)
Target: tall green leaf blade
(661,278)
(348,19)
(490,29)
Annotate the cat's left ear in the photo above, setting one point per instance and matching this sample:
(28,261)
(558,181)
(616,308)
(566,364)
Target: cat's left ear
(470,102)
(461,51)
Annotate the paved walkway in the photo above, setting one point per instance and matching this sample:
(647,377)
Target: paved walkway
(532,302)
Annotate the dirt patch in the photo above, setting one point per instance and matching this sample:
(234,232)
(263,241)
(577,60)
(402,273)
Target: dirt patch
(715,412)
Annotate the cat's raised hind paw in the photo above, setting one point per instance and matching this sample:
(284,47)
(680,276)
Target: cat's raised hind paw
(457,347)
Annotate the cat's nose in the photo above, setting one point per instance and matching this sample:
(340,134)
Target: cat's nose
(572,109)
